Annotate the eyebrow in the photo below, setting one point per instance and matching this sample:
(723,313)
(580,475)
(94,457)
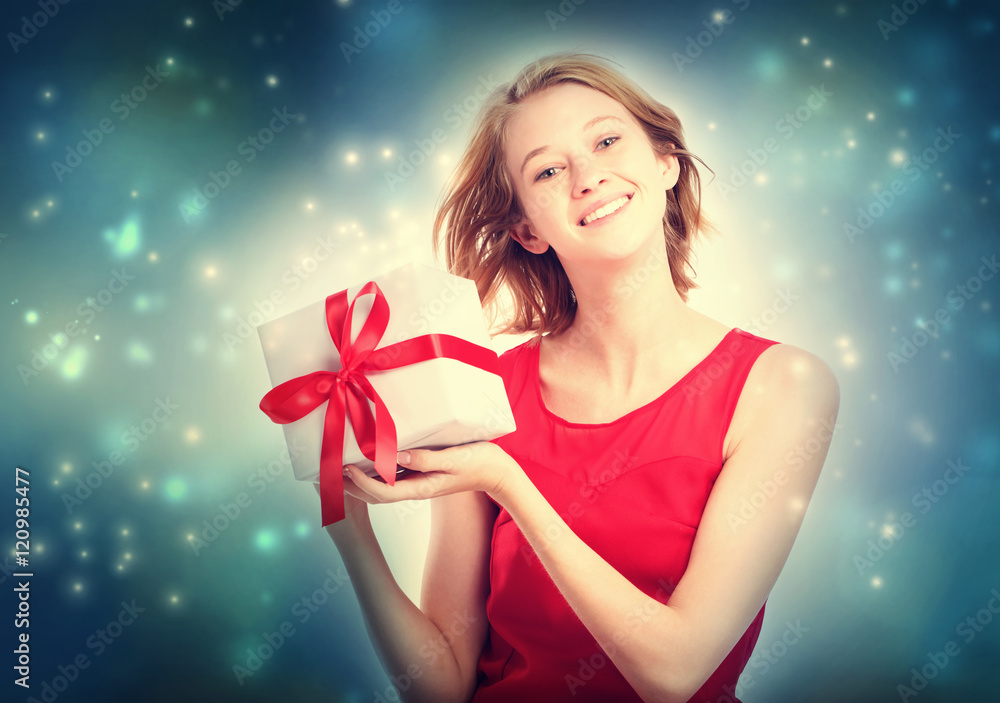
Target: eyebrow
(535,152)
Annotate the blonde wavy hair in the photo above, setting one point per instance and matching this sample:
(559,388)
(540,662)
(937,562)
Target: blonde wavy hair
(479,205)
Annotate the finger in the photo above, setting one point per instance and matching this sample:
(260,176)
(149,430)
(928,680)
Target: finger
(417,487)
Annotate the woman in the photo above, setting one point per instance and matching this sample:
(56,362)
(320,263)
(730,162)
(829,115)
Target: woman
(621,544)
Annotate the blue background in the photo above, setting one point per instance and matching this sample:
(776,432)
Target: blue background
(82,364)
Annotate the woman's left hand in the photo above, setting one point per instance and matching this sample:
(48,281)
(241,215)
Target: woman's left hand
(479,466)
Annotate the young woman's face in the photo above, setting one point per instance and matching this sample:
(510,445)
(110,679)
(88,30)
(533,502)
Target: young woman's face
(574,153)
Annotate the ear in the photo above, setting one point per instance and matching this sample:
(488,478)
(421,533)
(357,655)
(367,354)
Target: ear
(670,170)
(521,232)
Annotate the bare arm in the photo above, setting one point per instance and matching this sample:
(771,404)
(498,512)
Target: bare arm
(436,646)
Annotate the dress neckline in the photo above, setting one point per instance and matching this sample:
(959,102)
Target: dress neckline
(537,383)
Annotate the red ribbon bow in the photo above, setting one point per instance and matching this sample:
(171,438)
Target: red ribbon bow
(347,389)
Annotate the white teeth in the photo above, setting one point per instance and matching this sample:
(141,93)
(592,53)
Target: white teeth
(606,210)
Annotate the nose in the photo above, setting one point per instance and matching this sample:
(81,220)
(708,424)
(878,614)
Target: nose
(586,175)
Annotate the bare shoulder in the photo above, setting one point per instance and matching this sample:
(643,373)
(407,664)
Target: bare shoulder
(785,381)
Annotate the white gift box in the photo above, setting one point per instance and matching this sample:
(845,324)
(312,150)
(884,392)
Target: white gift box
(434,404)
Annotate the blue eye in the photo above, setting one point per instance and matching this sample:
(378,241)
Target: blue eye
(539,176)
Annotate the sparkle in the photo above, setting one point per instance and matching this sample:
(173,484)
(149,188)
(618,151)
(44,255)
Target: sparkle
(272,81)
(174,599)
(77,586)
(170,61)
(77,526)
(309,206)
(128,556)
(67,467)
(387,153)
(135,194)
(31,317)
(35,213)
(871,116)
(760,179)
(876,582)
(121,567)
(125,532)
(83,554)
(192,435)
(718,16)
(153,256)
(851,143)
(351,158)
(144,485)
(41,136)
(827,63)
(805,41)
(897,157)
(188,22)
(843,342)
(711,125)
(48,94)
(211,271)
(49,204)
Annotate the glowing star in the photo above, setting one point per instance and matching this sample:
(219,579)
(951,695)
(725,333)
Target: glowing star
(170,61)
(78,587)
(31,317)
(871,116)
(125,532)
(125,240)
(67,467)
(272,81)
(41,136)
(139,353)
(828,63)
(153,256)
(897,157)
(211,271)
(174,599)
(175,489)
(188,22)
(805,41)
(135,194)
(72,365)
(351,158)
(387,153)
(192,435)
(876,582)
(265,540)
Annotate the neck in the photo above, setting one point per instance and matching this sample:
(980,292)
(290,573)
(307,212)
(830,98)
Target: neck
(629,319)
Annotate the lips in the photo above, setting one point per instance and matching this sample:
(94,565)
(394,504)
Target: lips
(596,207)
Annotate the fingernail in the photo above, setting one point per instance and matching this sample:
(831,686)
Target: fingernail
(403,458)
(347,471)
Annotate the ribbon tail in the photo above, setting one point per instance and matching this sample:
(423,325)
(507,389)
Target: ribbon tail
(331,471)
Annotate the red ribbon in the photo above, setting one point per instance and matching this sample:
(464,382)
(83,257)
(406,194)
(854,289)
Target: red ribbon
(346,391)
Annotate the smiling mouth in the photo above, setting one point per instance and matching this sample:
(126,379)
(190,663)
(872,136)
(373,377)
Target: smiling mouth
(602,212)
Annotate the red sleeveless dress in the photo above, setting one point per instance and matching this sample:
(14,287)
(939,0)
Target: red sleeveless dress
(634,490)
